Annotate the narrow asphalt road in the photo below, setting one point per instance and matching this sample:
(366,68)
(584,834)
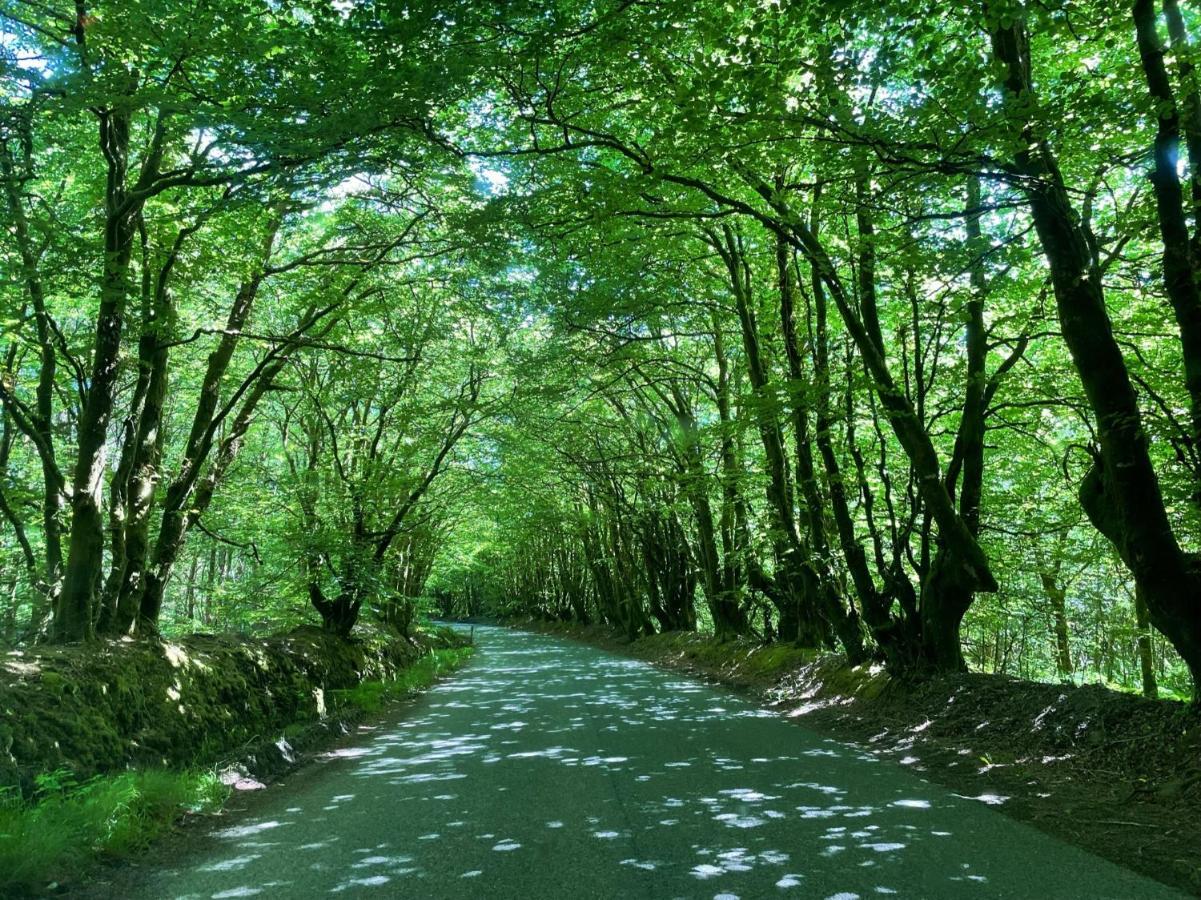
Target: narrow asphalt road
(547,769)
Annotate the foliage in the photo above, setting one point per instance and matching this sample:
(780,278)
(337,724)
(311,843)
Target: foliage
(371,696)
(69,826)
(854,326)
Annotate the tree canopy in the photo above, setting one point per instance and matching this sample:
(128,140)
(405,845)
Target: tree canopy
(874,327)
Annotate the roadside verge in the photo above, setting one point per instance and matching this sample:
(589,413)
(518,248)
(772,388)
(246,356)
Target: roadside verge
(105,747)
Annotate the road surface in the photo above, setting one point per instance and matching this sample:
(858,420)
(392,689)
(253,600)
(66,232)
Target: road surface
(549,769)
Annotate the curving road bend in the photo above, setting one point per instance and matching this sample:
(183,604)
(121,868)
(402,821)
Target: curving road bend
(549,769)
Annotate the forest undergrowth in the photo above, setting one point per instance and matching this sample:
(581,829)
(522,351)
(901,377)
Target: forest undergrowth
(67,827)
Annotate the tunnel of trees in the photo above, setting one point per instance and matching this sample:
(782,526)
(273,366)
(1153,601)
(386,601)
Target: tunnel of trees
(868,326)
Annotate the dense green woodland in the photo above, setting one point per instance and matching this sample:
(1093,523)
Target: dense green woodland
(869,326)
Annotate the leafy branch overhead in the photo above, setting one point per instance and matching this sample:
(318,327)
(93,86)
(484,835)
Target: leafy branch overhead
(859,326)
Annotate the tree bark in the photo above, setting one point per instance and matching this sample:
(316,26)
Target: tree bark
(728,619)
(1178,263)
(840,614)
(1146,662)
(1057,597)
(1121,494)
(76,614)
(191,490)
(38,426)
(794,583)
(962,548)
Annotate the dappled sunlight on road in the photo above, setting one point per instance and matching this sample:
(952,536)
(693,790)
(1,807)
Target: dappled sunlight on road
(547,769)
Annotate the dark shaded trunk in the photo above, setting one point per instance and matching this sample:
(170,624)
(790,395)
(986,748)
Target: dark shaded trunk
(1146,661)
(946,594)
(137,477)
(7,511)
(142,600)
(177,519)
(1179,271)
(670,578)
(945,598)
(38,426)
(962,549)
(875,605)
(142,483)
(190,591)
(191,490)
(966,470)
(724,601)
(1121,494)
(85,553)
(1190,114)
(794,588)
(1057,598)
(680,581)
(728,618)
(840,615)
(941,647)
(119,502)
(339,615)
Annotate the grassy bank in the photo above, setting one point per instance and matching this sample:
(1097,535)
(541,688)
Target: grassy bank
(740,662)
(371,696)
(67,827)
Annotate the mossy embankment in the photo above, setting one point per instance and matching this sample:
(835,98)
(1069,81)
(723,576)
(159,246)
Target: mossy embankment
(106,746)
(741,663)
(104,707)
(1115,773)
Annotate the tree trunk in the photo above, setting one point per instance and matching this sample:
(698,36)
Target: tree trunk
(1146,661)
(1057,597)
(875,604)
(186,501)
(1178,265)
(724,602)
(957,541)
(794,582)
(945,598)
(138,477)
(946,594)
(1121,494)
(339,616)
(840,615)
(728,619)
(941,645)
(85,553)
(39,427)
(190,593)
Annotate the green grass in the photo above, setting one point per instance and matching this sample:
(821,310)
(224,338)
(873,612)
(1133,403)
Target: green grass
(67,827)
(742,660)
(371,696)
